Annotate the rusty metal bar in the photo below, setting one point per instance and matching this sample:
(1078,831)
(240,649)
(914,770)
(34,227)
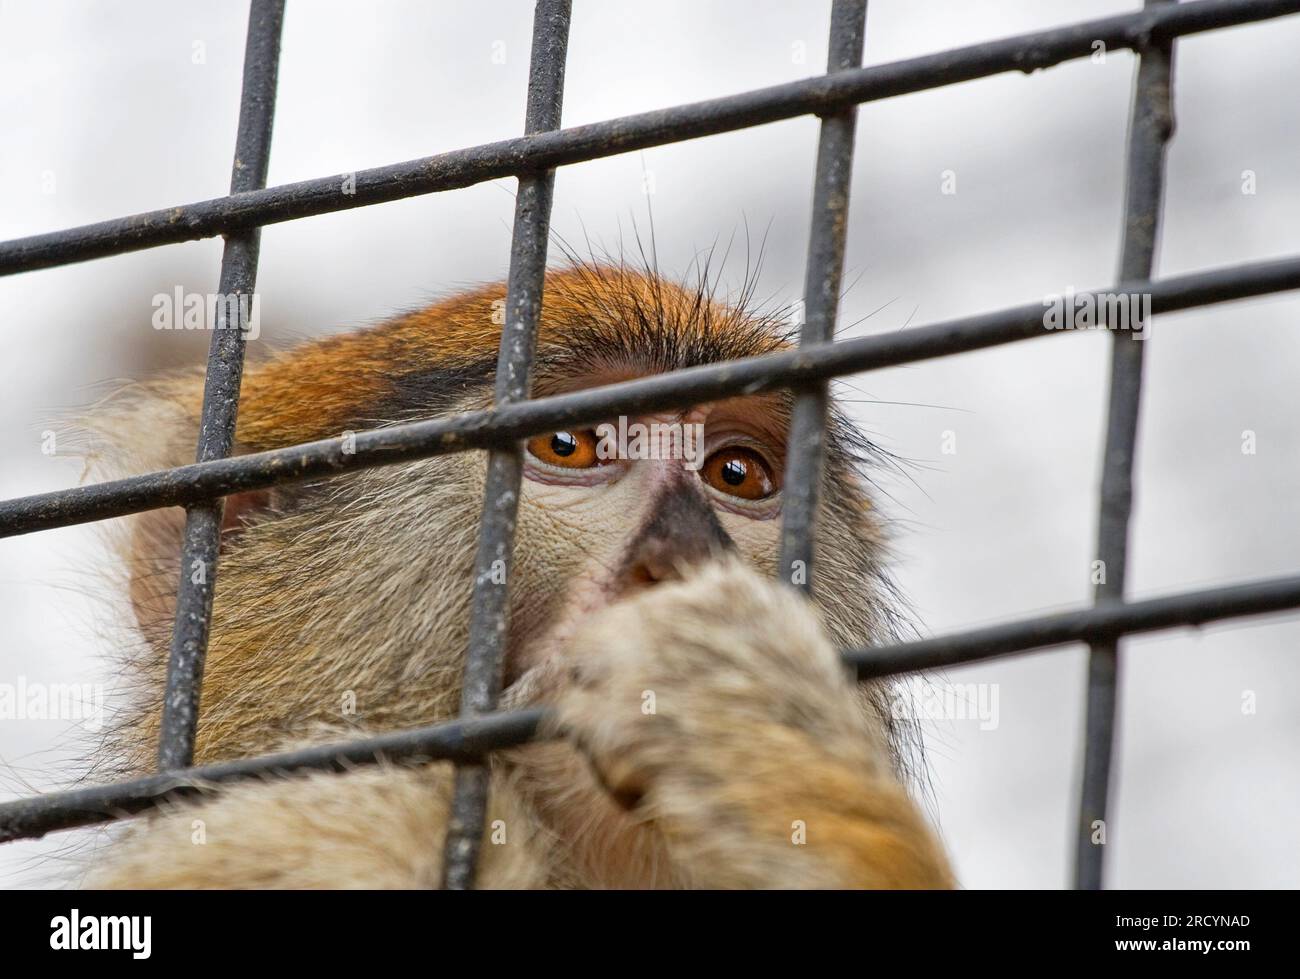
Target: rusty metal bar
(463,740)
(522,155)
(488,620)
(202,537)
(504,425)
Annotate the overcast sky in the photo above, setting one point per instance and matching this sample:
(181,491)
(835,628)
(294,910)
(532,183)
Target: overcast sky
(113,108)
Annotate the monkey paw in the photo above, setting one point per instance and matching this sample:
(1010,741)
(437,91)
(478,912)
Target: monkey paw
(684,681)
(716,710)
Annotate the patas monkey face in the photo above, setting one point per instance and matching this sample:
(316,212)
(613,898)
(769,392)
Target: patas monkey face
(631,503)
(342,608)
(357,589)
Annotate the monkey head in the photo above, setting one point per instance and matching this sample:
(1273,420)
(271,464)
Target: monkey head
(346,601)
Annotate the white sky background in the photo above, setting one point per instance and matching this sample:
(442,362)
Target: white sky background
(107,98)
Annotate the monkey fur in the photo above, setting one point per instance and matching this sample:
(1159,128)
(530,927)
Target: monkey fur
(342,607)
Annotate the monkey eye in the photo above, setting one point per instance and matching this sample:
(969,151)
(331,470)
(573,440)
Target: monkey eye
(740,472)
(567,450)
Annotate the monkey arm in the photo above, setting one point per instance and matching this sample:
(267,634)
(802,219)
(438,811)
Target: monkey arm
(729,749)
(716,710)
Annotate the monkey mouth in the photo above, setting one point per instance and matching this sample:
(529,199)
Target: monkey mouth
(534,656)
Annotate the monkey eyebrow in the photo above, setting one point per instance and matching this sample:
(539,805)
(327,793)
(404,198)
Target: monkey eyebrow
(433,391)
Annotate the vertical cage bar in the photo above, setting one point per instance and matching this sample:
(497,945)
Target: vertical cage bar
(202,538)
(489,616)
(806,453)
(1150,129)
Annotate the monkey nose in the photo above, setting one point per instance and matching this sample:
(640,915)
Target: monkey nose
(659,561)
(681,531)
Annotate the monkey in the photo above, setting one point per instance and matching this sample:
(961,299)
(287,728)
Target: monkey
(702,730)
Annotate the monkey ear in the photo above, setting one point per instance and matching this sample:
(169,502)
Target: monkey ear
(241,510)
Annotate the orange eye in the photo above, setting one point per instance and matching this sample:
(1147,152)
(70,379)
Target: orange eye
(568,450)
(740,472)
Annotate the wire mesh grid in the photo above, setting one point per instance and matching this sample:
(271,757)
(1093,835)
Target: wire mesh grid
(806,371)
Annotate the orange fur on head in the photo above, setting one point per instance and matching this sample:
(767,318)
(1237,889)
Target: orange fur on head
(322,388)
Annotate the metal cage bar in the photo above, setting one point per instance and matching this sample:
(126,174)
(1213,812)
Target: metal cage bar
(830,219)
(490,606)
(1150,128)
(834,96)
(516,157)
(506,424)
(202,536)
(468,739)
(459,741)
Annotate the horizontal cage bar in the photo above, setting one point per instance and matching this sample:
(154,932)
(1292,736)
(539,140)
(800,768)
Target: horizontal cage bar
(468,740)
(514,157)
(456,741)
(501,426)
